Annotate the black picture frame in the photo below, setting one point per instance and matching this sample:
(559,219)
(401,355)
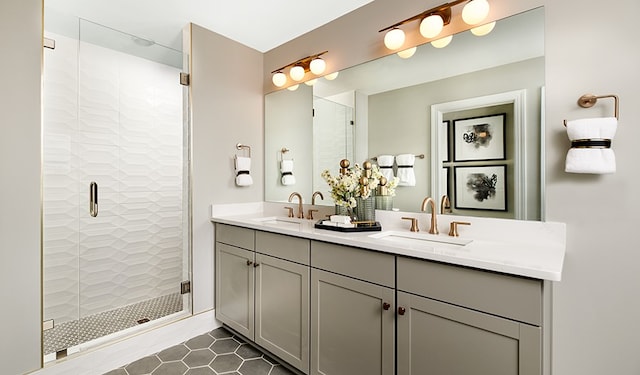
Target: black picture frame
(479,138)
(482,187)
(444,140)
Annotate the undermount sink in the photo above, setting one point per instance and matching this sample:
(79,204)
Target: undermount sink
(280,221)
(414,238)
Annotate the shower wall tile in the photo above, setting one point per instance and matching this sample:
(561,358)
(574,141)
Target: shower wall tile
(124,132)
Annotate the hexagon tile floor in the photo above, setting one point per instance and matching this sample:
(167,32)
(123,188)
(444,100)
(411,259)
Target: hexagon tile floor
(216,352)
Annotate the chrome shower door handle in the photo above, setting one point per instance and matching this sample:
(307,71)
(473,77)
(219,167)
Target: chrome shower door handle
(93,199)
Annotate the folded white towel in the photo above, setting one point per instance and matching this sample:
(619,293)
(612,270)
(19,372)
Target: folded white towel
(590,151)
(385,163)
(243,170)
(286,167)
(406,175)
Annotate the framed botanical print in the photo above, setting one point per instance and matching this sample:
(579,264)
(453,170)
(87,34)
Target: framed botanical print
(479,138)
(481,187)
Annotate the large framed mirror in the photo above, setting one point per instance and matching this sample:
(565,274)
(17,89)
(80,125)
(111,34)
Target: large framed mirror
(389,106)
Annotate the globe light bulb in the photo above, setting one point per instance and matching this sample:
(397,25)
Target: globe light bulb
(293,88)
(484,29)
(317,66)
(331,76)
(297,73)
(311,82)
(394,39)
(442,42)
(279,79)
(475,11)
(405,54)
(431,26)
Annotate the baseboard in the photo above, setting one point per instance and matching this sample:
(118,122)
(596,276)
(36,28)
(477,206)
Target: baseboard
(108,357)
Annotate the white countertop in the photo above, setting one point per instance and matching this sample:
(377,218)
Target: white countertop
(524,248)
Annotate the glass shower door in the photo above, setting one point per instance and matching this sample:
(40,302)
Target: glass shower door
(115,186)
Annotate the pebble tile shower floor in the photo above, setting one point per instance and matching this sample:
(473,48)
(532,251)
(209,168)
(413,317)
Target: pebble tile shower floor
(72,333)
(216,352)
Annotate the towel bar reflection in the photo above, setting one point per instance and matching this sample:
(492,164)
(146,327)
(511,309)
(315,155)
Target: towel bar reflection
(240,146)
(589,100)
(421,156)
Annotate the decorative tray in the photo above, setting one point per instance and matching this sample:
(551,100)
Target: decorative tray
(368,226)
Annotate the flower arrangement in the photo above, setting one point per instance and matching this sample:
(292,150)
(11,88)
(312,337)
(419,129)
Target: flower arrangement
(355,182)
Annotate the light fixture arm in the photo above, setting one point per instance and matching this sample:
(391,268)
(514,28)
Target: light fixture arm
(305,62)
(443,11)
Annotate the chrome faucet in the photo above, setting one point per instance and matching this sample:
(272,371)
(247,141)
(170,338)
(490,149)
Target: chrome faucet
(434,213)
(313,197)
(300,209)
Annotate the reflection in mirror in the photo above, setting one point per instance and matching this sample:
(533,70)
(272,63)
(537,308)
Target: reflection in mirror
(396,100)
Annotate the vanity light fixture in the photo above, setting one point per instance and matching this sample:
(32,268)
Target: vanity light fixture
(433,21)
(299,68)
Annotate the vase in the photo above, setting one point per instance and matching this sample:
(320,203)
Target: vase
(365,209)
(384,202)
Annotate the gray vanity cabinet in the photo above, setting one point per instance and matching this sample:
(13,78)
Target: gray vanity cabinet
(262,290)
(352,311)
(282,297)
(235,287)
(455,320)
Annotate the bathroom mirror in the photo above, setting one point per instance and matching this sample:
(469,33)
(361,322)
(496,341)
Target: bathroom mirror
(387,107)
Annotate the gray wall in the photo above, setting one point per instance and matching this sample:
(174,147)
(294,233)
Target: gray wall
(595,306)
(20,170)
(399,120)
(227,106)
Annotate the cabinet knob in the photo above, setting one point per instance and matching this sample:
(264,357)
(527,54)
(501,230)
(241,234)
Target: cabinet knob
(256,264)
(401,310)
(249,262)
(386,306)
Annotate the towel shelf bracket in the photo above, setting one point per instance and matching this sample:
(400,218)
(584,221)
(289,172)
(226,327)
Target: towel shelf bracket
(589,100)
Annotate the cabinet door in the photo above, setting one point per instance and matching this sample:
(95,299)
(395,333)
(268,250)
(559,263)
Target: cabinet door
(352,326)
(437,338)
(282,309)
(235,288)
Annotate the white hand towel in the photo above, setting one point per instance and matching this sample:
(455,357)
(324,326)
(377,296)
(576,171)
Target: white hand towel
(385,163)
(590,150)
(243,170)
(286,167)
(406,175)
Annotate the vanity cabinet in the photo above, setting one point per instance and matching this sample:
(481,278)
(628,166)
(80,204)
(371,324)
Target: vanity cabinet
(456,320)
(332,309)
(262,290)
(235,279)
(352,311)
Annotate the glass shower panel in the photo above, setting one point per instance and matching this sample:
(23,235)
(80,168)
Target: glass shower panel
(127,185)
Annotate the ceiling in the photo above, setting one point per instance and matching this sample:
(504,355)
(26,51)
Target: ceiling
(259,24)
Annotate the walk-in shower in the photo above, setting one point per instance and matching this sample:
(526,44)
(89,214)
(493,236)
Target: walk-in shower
(115,184)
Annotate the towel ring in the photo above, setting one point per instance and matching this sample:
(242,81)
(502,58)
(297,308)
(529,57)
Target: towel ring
(240,146)
(589,100)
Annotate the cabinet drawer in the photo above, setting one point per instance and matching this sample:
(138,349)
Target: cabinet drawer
(235,236)
(513,297)
(361,264)
(290,248)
